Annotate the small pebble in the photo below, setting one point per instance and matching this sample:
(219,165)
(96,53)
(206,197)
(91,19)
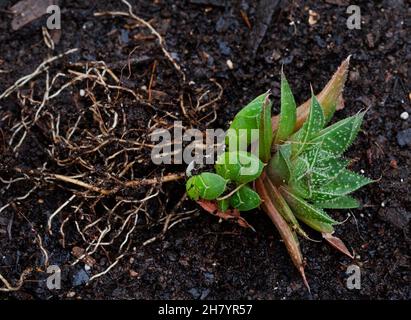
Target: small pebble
(313,17)
(404,115)
(404,137)
(362,171)
(230,64)
(204,294)
(133,274)
(80,278)
(87,267)
(224,48)
(195,293)
(82,93)
(394,164)
(124,36)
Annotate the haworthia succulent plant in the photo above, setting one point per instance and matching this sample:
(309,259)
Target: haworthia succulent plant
(297,177)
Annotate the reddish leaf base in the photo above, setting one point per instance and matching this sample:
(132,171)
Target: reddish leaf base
(337,243)
(231,214)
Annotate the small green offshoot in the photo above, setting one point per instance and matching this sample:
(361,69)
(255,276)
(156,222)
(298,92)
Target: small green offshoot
(298,172)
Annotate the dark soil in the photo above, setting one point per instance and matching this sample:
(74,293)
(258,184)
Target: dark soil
(200,258)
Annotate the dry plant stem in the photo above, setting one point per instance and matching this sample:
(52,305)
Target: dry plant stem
(128,184)
(147,182)
(284,209)
(81,184)
(287,234)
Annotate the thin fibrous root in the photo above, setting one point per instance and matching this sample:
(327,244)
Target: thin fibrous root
(43,66)
(108,269)
(160,39)
(57,211)
(8,287)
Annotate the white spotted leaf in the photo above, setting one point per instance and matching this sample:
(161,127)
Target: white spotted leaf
(345,183)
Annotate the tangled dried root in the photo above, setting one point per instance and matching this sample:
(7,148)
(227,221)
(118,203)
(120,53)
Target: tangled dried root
(95,133)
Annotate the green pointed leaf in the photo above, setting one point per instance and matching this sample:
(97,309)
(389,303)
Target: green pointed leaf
(339,136)
(206,186)
(319,225)
(313,125)
(345,183)
(356,127)
(313,155)
(265,132)
(301,187)
(300,167)
(303,165)
(301,174)
(314,217)
(326,169)
(344,202)
(279,168)
(241,167)
(288,114)
(247,119)
(245,199)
